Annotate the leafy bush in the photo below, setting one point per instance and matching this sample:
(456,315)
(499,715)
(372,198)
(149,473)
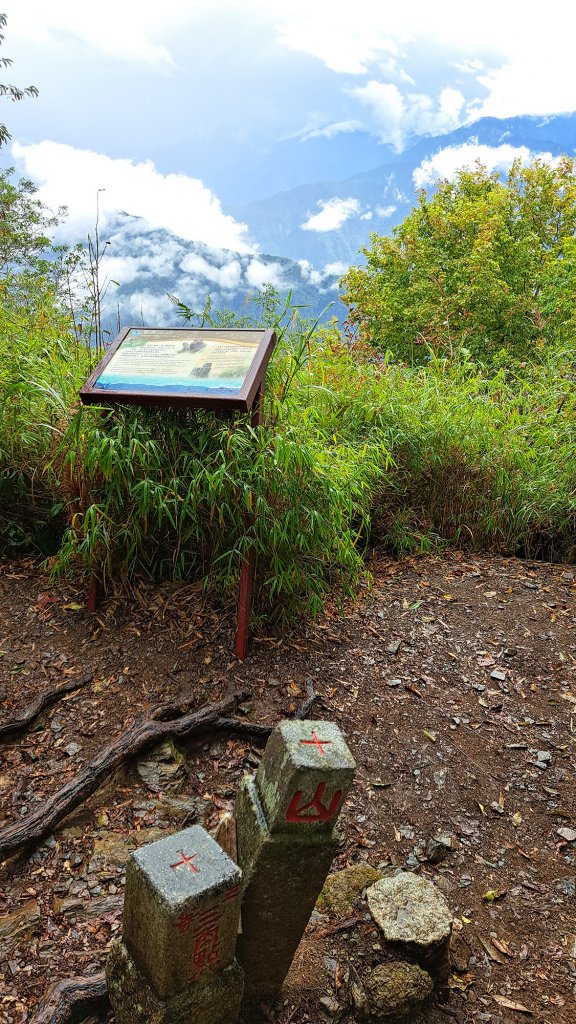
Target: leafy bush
(481,265)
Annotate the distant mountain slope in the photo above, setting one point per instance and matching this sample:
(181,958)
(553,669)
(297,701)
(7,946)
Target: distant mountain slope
(150,264)
(375,200)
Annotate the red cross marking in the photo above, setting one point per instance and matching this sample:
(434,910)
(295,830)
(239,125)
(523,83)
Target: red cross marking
(315,741)
(186,862)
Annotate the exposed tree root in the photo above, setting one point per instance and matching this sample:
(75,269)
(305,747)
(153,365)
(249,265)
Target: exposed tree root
(70,1001)
(159,726)
(311,697)
(255,730)
(17,724)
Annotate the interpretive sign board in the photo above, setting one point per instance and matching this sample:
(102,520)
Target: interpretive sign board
(178,366)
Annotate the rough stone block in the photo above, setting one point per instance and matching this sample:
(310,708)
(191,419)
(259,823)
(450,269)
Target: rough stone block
(213,999)
(283,875)
(304,776)
(181,910)
(413,914)
(397,992)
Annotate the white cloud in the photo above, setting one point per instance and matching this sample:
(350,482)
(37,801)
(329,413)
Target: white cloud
(397,116)
(123,269)
(386,211)
(259,274)
(447,162)
(114,28)
(176,202)
(530,83)
(469,67)
(227,276)
(328,131)
(342,45)
(517,64)
(147,308)
(333,214)
(322,279)
(338,267)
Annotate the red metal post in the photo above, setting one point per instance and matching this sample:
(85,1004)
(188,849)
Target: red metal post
(92,595)
(249,563)
(244,602)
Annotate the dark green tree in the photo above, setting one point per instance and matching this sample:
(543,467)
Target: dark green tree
(13,92)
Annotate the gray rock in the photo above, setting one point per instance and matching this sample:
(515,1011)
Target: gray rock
(187,809)
(544,755)
(566,886)
(164,769)
(438,848)
(397,991)
(331,1005)
(413,914)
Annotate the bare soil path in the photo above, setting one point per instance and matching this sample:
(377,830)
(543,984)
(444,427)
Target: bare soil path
(454,680)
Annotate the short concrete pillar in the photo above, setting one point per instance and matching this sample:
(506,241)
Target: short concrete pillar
(285,818)
(175,963)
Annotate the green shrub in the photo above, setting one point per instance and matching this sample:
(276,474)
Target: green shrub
(480,265)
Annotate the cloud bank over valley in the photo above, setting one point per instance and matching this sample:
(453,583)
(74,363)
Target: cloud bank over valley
(78,178)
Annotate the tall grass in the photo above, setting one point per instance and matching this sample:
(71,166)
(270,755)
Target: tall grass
(186,496)
(354,450)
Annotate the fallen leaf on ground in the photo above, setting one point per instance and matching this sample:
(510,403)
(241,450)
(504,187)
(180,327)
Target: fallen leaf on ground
(493,894)
(509,1004)
(491,950)
(503,947)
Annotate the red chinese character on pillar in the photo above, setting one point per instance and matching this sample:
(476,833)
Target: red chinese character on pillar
(314,810)
(206,935)
(185,921)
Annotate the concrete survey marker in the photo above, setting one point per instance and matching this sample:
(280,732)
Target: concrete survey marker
(181,910)
(285,819)
(304,776)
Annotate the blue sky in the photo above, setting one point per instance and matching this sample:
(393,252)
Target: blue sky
(168,107)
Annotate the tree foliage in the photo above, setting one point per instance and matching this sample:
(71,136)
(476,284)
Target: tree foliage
(25,226)
(482,265)
(13,92)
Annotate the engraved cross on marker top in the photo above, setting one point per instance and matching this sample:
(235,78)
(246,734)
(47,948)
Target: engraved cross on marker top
(315,741)
(186,862)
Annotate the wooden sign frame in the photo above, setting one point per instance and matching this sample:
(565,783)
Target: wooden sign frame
(189,397)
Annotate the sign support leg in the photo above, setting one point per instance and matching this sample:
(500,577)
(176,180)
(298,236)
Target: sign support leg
(92,595)
(247,570)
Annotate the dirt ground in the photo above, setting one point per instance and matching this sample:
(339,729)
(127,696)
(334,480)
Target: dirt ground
(453,679)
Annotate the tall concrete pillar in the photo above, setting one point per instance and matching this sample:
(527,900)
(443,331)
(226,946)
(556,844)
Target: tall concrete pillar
(286,843)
